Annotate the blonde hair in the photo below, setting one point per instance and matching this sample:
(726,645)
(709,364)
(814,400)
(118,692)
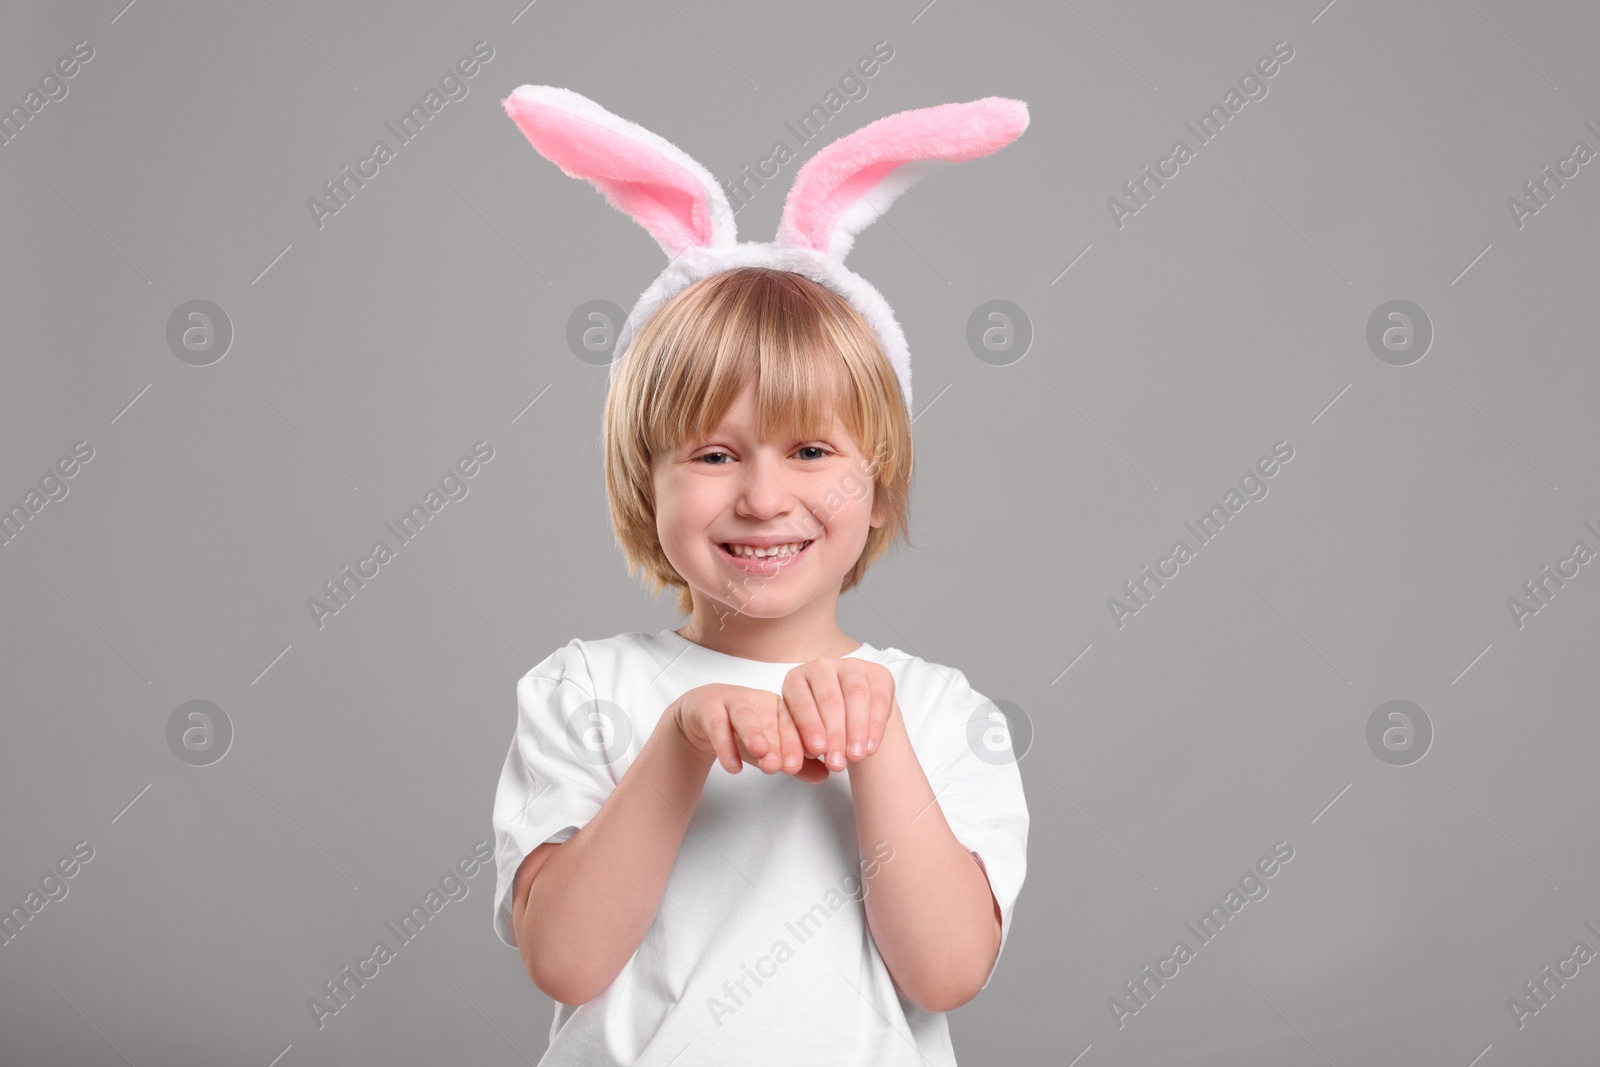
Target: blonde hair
(813,356)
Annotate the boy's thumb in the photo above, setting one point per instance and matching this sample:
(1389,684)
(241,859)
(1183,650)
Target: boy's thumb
(812,770)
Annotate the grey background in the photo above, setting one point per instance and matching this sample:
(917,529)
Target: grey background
(1229,313)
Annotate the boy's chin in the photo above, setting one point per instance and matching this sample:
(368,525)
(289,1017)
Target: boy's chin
(762,604)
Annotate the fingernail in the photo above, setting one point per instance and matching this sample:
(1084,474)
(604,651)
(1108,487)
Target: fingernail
(817,741)
(871,745)
(855,748)
(836,758)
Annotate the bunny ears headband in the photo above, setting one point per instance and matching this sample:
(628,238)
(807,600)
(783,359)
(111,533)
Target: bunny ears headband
(836,194)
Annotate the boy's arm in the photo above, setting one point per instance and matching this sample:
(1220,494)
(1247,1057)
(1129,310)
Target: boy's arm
(580,910)
(932,914)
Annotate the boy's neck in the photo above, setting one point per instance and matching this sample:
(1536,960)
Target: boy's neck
(792,639)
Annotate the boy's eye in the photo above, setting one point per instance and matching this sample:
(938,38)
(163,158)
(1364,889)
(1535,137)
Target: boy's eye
(707,458)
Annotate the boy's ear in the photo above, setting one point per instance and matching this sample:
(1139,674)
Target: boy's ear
(640,173)
(880,510)
(849,184)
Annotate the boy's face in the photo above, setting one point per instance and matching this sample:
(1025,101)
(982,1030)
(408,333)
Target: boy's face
(731,487)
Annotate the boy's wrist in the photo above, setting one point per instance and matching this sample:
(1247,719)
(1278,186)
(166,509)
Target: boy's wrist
(894,726)
(699,759)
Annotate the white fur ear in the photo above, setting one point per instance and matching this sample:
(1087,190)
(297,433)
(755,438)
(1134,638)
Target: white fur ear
(849,184)
(640,173)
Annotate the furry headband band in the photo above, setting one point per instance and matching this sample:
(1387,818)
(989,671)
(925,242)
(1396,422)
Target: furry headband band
(836,194)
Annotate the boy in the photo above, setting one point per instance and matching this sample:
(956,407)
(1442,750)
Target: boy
(758,461)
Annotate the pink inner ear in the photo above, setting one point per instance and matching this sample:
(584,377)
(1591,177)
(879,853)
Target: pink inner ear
(853,189)
(659,194)
(838,178)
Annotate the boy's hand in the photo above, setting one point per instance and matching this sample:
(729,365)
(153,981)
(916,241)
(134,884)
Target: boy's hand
(840,707)
(737,725)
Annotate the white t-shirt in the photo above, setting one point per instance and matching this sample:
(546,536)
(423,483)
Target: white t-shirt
(760,951)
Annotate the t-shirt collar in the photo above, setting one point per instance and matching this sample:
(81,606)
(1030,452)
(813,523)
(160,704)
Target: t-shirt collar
(739,670)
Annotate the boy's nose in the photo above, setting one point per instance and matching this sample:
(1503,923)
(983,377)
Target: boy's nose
(766,488)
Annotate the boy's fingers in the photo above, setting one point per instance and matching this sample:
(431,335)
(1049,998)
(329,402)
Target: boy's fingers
(857,692)
(802,708)
(743,750)
(830,703)
(790,749)
(747,726)
(721,732)
(755,734)
(769,716)
(812,770)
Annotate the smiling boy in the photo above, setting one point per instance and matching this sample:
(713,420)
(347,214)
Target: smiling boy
(755,415)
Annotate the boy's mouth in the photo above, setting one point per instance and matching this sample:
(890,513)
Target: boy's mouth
(767,559)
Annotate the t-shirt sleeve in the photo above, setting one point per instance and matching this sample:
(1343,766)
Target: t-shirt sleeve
(546,793)
(975,780)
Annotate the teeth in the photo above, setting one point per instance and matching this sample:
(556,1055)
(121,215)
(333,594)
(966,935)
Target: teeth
(748,552)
